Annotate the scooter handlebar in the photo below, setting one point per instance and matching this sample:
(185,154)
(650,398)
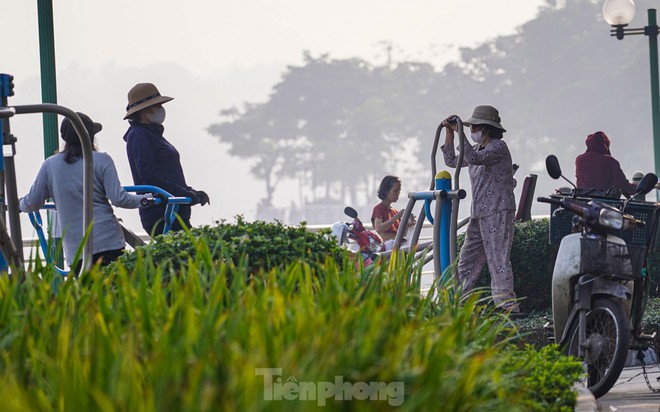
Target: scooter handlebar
(556,202)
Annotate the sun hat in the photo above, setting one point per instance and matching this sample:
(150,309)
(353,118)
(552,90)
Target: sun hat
(143,95)
(485,115)
(69,134)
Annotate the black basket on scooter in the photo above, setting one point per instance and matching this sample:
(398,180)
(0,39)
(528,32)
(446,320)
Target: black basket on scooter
(599,256)
(561,222)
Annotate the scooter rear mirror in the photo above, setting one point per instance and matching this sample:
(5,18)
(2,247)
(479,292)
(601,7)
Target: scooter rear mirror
(552,165)
(647,183)
(349,211)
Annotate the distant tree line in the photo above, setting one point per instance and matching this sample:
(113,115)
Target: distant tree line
(335,125)
(338,125)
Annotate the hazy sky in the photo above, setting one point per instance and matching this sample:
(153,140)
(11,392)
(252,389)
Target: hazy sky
(204,35)
(244,46)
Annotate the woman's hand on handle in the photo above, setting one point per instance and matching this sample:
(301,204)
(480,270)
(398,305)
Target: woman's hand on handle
(451,125)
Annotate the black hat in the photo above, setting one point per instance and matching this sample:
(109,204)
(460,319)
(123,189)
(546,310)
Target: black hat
(69,134)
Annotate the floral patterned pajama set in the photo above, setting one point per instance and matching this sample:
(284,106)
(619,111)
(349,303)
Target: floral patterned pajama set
(490,230)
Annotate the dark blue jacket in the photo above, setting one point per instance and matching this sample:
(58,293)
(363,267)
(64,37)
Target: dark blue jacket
(154,161)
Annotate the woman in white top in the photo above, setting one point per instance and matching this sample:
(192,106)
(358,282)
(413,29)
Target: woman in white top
(61,178)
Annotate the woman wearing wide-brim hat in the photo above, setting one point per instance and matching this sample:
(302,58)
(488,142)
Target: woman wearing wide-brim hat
(155,161)
(61,178)
(489,235)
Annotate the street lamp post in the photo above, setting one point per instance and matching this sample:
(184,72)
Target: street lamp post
(618,13)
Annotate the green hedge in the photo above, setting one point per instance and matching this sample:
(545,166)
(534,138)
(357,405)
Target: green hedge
(259,246)
(548,377)
(533,259)
(267,245)
(131,341)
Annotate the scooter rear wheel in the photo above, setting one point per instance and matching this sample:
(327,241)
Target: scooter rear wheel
(607,344)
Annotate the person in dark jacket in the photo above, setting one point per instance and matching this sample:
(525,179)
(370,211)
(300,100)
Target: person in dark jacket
(153,160)
(597,169)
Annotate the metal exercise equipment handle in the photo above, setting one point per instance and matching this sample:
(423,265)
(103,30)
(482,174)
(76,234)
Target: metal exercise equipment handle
(37,223)
(439,196)
(453,228)
(173,202)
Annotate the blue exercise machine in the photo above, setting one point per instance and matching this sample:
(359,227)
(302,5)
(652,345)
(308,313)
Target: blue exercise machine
(11,247)
(443,217)
(171,210)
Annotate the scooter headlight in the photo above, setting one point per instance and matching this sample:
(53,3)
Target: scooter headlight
(610,218)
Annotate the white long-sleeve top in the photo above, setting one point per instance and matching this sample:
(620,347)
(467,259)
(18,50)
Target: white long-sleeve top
(63,182)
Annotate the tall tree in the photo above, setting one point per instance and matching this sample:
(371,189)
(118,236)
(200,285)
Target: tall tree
(332,124)
(340,124)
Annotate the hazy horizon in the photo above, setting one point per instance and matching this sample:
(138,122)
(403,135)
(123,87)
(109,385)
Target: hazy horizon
(212,55)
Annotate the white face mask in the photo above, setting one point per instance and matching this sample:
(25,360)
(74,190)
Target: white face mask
(156,116)
(477,137)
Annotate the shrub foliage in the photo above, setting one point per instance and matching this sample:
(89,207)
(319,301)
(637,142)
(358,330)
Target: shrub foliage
(262,245)
(129,340)
(532,259)
(548,378)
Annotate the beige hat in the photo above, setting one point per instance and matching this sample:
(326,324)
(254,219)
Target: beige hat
(485,115)
(143,95)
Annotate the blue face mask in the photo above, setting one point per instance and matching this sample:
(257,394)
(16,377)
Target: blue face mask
(156,116)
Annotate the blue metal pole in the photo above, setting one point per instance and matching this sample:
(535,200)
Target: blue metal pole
(441,230)
(443,182)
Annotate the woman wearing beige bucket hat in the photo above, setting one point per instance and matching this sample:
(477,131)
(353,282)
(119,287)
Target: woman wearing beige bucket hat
(153,160)
(489,235)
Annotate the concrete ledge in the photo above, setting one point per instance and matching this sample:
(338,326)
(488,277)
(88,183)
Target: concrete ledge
(586,402)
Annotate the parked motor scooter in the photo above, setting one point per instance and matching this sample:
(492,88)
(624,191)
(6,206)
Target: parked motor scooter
(369,243)
(600,280)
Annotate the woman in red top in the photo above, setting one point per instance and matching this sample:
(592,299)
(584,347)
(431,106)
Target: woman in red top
(384,217)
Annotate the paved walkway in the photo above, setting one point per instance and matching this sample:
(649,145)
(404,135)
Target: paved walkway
(631,393)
